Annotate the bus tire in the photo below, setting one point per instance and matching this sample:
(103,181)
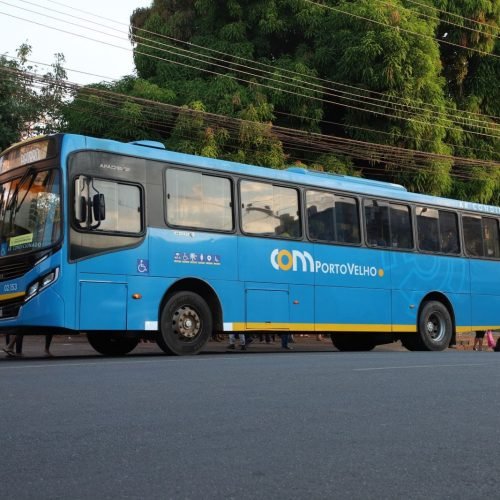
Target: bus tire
(353,342)
(435,328)
(112,344)
(185,324)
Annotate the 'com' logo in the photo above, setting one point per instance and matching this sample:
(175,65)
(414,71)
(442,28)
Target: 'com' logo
(285,260)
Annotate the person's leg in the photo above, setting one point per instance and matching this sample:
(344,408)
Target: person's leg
(284,340)
(19,344)
(10,346)
(48,341)
(232,341)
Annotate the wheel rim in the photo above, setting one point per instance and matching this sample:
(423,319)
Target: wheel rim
(435,327)
(186,323)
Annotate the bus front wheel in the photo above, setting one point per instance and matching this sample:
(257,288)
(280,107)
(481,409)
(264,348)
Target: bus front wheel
(435,329)
(112,344)
(185,324)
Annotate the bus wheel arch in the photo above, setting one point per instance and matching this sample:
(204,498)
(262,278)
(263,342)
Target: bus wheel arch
(112,344)
(435,324)
(189,313)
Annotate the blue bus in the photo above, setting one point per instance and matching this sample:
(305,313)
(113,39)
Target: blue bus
(124,241)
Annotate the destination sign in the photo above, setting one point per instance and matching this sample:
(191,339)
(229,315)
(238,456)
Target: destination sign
(25,154)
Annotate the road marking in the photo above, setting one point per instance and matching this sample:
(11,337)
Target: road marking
(53,363)
(418,366)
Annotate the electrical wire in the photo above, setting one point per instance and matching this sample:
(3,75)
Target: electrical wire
(458,16)
(292,115)
(422,35)
(237,78)
(347,146)
(435,18)
(387,98)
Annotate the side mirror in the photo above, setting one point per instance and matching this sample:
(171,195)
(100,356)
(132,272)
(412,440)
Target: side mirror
(81,216)
(99,207)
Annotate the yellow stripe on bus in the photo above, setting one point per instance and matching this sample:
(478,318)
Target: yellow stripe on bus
(323,327)
(467,329)
(8,296)
(344,327)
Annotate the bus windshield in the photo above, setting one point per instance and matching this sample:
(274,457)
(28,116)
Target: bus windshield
(30,212)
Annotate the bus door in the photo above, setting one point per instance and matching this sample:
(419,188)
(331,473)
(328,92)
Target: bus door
(482,242)
(352,289)
(279,284)
(107,236)
(352,283)
(277,268)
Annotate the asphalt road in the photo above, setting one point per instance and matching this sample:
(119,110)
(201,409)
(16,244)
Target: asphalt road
(264,425)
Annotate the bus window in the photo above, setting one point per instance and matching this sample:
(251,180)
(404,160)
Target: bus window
(347,220)
(491,238)
(320,219)
(268,210)
(377,223)
(473,236)
(448,229)
(123,212)
(332,218)
(428,229)
(196,200)
(401,234)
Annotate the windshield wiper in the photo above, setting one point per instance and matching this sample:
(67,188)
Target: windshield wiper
(13,199)
(12,205)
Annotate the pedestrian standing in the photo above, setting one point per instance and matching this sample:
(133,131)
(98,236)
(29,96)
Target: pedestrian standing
(48,341)
(232,341)
(17,340)
(285,337)
(478,340)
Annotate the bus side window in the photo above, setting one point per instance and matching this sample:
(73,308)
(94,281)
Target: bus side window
(428,229)
(347,220)
(198,200)
(448,228)
(473,236)
(320,215)
(269,210)
(377,223)
(401,234)
(491,238)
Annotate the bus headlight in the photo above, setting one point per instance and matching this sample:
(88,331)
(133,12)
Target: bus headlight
(41,283)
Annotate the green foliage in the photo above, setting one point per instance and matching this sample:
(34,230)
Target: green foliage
(395,84)
(24,111)
(100,110)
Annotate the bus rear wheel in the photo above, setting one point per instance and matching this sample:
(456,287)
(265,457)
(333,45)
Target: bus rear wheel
(435,329)
(353,341)
(112,344)
(185,324)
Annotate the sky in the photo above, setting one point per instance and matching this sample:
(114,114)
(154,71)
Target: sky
(109,18)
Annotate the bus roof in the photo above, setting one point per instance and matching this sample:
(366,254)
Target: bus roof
(156,151)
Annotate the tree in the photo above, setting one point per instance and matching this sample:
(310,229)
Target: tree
(104,110)
(370,70)
(28,108)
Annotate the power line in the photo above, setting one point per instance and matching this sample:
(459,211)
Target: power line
(423,14)
(282,113)
(422,35)
(238,78)
(350,146)
(387,99)
(291,143)
(449,14)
